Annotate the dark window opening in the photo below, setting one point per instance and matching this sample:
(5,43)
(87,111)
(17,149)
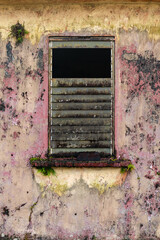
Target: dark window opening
(81,63)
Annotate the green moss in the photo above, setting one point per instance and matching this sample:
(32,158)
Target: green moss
(113,159)
(46,171)
(93,237)
(123,169)
(31,208)
(18,32)
(129,168)
(34,159)
(116,159)
(33,205)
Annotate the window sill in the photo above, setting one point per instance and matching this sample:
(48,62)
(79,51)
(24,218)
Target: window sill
(75,162)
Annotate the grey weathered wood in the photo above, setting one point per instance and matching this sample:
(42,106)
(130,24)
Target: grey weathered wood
(81,106)
(82,136)
(80,129)
(80,39)
(78,150)
(80,144)
(80,44)
(80,121)
(81,114)
(81,82)
(81,98)
(81,90)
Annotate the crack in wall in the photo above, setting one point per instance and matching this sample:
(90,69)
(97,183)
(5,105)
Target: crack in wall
(33,206)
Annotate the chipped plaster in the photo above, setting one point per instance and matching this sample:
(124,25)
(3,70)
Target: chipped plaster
(79,203)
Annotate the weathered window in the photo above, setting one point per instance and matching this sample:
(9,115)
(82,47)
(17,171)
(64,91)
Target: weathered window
(81,98)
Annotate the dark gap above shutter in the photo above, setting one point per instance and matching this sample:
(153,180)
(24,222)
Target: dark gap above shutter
(81,63)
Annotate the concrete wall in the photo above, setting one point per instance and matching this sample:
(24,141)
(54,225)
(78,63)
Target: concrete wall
(80,203)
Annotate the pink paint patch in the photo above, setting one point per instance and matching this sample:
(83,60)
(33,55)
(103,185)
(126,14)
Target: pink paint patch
(7,174)
(13,162)
(16,135)
(40,116)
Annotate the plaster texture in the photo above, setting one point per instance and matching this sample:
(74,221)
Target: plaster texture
(80,203)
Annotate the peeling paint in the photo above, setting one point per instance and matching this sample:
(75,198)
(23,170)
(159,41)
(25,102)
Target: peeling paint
(79,203)
(96,19)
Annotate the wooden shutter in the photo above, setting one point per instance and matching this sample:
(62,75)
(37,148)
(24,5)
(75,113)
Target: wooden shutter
(81,110)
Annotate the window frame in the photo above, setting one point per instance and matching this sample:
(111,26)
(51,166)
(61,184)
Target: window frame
(86,159)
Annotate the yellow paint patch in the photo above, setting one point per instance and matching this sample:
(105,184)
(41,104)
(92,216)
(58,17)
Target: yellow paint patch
(96,18)
(100,178)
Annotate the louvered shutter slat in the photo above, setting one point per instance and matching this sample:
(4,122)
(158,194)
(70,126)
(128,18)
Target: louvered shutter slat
(80,144)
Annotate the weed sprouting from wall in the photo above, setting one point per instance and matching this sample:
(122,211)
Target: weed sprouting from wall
(18,32)
(129,168)
(46,171)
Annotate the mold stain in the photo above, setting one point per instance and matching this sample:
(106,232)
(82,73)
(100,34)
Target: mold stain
(40,63)
(143,75)
(2,106)
(5,211)
(9,52)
